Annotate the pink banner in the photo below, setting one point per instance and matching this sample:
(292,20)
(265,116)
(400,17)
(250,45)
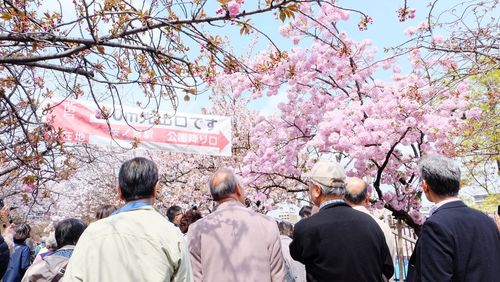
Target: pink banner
(188,133)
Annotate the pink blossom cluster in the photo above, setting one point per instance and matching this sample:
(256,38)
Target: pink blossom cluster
(406,13)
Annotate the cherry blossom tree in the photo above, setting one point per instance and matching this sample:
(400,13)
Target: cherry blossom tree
(334,106)
(98,50)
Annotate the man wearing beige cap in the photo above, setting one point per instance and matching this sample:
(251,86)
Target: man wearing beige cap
(339,243)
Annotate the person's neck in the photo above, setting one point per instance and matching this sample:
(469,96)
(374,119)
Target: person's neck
(438,199)
(147,200)
(331,198)
(230,198)
(355,205)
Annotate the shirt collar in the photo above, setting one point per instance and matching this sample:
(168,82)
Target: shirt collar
(440,204)
(132,206)
(331,202)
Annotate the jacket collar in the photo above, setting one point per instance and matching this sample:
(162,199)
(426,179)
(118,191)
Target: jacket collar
(451,205)
(230,203)
(335,204)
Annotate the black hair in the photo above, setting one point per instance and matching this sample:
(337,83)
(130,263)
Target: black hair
(172,211)
(137,179)
(305,211)
(68,231)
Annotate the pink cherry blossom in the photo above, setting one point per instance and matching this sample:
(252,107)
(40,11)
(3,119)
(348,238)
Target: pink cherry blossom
(233,8)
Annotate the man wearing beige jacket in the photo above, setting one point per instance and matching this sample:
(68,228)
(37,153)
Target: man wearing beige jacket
(234,243)
(136,243)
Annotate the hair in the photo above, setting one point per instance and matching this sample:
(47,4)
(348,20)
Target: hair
(305,211)
(188,218)
(21,231)
(226,186)
(68,231)
(172,211)
(356,198)
(285,228)
(137,179)
(441,174)
(104,211)
(336,189)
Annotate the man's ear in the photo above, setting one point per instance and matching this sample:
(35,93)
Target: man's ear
(239,193)
(155,190)
(315,193)
(367,198)
(119,193)
(425,187)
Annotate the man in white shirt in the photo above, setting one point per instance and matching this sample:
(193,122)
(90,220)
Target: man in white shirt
(136,243)
(357,197)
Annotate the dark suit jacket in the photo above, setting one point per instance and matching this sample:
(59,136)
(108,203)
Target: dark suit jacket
(341,244)
(457,243)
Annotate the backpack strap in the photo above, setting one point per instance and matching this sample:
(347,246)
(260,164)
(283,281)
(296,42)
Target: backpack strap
(59,274)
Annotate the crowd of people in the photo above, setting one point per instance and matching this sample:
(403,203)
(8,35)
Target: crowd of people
(337,239)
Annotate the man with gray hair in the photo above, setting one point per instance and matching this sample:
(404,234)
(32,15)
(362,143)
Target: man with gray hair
(457,243)
(357,196)
(339,243)
(234,243)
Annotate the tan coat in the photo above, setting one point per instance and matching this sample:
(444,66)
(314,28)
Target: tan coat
(389,236)
(132,246)
(235,244)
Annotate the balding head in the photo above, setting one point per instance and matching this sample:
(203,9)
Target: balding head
(356,191)
(223,184)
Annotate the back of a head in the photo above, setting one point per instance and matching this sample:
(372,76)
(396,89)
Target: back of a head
(104,211)
(68,231)
(137,179)
(21,231)
(329,176)
(189,217)
(285,228)
(172,212)
(222,184)
(356,191)
(441,174)
(305,211)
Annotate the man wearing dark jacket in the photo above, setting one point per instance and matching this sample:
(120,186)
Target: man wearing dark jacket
(457,243)
(339,243)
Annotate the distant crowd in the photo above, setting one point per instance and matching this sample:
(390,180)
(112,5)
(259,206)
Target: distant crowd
(337,239)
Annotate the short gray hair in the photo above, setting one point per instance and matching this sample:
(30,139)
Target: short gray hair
(336,189)
(226,186)
(441,174)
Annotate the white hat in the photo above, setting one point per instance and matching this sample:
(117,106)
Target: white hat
(327,173)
